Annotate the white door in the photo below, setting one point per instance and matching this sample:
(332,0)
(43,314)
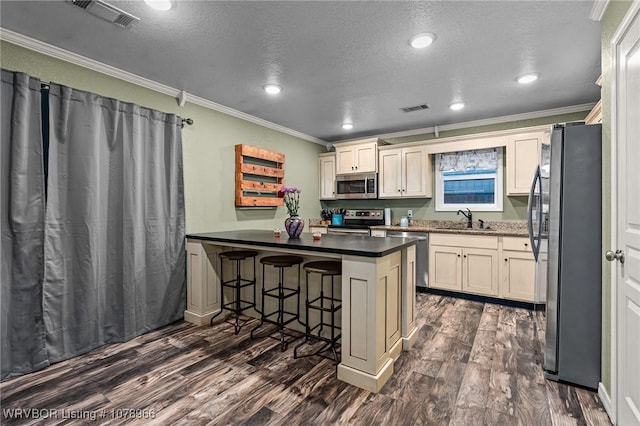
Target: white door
(627,273)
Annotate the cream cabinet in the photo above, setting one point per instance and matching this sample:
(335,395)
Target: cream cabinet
(405,173)
(327,176)
(493,266)
(445,267)
(595,116)
(517,270)
(467,263)
(358,156)
(523,153)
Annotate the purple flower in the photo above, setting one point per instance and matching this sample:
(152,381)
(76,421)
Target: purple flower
(291,197)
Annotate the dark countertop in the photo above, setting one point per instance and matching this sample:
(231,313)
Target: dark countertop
(338,244)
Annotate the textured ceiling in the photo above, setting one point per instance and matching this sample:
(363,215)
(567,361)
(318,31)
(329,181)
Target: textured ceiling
(343,61)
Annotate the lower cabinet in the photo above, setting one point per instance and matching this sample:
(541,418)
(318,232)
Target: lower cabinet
(445,267)
(484,265)
(518,270)
(480,271)
(467,263)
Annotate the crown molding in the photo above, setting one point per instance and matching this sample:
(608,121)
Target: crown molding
(598,9)
(485,122)
(73,58)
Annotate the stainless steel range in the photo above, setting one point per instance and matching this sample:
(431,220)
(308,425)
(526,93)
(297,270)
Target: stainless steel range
(358,222)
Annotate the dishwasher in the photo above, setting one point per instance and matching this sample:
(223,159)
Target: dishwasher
(422,255)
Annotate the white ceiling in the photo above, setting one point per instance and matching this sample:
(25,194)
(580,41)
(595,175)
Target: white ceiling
(344,60)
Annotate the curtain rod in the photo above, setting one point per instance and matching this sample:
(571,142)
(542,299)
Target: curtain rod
(188,121)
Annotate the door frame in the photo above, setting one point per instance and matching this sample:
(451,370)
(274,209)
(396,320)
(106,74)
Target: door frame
(611,401)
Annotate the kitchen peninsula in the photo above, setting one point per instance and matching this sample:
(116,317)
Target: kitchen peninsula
(378,291)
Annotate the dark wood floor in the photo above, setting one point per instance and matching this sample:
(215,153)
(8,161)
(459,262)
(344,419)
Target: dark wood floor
(473,364)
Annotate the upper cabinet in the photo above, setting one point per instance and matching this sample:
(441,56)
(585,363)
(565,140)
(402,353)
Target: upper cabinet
(358,156)
(523,156)
(327,176)
(405,172)
(595,116)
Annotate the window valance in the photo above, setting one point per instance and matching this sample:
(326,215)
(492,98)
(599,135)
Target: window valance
(468,160)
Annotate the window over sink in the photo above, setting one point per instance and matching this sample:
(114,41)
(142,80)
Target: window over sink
(469,179)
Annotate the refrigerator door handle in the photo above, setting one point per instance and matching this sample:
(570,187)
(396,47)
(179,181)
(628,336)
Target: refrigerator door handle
(535,239)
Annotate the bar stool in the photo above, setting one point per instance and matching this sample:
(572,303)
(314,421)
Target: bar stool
(323,303)
(237,306)
(280,293)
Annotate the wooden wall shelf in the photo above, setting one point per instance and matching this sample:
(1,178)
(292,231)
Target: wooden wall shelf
(259,176)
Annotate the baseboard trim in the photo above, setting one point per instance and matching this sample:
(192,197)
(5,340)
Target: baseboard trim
(198,319)
(410,340)
(366,381)
(606,402)
(487,299)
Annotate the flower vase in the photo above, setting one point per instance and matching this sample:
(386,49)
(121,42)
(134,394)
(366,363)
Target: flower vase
(294,226)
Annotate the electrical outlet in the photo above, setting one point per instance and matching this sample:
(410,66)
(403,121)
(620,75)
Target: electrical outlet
(409,213)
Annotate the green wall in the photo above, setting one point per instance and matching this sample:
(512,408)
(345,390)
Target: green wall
(208,146)
(515,208)
(609,24)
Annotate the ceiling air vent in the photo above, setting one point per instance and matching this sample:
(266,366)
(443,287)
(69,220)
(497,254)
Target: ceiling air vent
(106,11)
(415,108)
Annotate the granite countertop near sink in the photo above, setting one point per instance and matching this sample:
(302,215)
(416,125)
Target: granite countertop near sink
(511,228)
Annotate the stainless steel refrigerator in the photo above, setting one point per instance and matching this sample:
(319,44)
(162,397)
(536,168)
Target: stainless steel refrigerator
(565,227)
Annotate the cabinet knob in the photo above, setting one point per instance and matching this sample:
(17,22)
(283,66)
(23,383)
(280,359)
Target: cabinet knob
(458,255)
(525,244)
(464,256)
(398,190)
(506,260)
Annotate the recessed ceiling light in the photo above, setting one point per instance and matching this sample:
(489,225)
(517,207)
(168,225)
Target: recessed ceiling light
(272,89)
(528,78)
(420,41)
(457,106)
(160,4)
(347,126)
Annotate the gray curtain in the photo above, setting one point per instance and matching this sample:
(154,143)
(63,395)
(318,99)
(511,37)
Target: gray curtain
(115,233)
(22,339)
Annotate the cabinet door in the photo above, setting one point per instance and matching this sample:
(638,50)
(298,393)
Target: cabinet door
(518,275)
(480,271)
(366,157)
(389,183)
(345,160)
(328,177)
(445,267)
(416,171)
(522,158)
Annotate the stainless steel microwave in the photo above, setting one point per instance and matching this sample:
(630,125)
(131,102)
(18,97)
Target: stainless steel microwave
(361,186)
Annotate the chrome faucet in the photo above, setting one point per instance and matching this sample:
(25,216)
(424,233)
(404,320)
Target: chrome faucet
(469,217)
